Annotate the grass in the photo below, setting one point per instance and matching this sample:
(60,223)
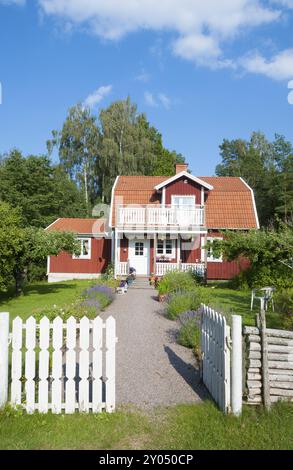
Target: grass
(181,427)
(41,295)
(237,302)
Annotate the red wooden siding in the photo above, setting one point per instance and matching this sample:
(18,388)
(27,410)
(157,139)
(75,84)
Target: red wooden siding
(192,255)
(226,269)
(100,258)
(179,188)
(124,250)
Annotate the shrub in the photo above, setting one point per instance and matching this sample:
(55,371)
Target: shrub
(179,303)
(76,310)
(176,280)
(284,301)
(189,333)
(98,295)
(259,276)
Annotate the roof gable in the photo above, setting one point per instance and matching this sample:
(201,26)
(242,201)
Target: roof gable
(186,175)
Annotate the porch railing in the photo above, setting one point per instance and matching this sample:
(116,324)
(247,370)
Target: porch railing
(163,268)
(122,268)
(161,216)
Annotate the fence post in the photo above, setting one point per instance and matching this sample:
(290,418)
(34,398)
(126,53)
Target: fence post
(236,365)
(264,356)
(4,337)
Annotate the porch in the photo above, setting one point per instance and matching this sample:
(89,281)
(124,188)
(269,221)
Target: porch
(122,268)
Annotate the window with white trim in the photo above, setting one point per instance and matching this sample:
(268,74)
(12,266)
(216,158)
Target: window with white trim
(213,255)
(166,248)
(183,201)
(85,248)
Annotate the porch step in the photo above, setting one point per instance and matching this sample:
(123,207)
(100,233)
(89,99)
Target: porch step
(141,283)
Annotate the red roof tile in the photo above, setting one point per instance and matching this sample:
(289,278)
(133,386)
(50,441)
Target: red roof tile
(80,226)
(229,205)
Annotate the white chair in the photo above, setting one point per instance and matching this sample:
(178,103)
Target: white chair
(268,292)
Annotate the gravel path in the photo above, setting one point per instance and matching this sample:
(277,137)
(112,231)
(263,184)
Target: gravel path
(151,368)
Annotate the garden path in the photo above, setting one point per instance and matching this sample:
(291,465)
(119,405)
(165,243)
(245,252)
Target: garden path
(151,368)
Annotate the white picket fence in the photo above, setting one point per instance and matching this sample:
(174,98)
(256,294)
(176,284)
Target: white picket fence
(221,370)
(60,366)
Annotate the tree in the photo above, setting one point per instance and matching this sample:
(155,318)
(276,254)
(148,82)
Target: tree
(270,252)
(43,192)
(77,144)
(268,169)
(129,145)
(21,246)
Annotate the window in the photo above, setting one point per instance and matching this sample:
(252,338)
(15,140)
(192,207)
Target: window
(85,249)
(166,248)
(183,201)
(214,255)
(139,248)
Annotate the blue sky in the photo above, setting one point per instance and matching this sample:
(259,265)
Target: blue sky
(201,71)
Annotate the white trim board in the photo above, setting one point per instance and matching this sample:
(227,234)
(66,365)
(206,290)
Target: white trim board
(59,277)
(53,223)
(253,202)
(186,175)
(112,201)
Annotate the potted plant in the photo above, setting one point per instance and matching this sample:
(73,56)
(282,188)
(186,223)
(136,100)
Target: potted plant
(152,279)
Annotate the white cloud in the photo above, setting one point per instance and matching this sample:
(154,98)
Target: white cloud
(161,99)
(143,76)
(278,67)
(201,27)
(165,100)
(97,96)
(150,99)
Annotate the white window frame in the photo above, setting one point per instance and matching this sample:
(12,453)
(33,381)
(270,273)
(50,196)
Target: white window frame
(165,254)
(173,196)
(141,253)
(210,258)
(82,256)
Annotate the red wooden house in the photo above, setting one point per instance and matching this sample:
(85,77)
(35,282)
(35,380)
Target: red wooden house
(160,223)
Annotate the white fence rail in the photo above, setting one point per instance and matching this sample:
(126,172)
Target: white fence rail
(161,216)
(216,344)
(60,366)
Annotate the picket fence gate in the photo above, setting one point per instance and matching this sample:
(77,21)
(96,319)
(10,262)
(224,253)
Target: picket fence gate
(221,352)
(60,365)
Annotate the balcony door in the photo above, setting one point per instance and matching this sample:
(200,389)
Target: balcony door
(184,208)
(139,256)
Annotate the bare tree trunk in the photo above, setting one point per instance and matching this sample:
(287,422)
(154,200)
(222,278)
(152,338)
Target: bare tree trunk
(86,186)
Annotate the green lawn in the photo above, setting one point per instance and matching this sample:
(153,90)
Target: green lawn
(237,302)
(180,427)
(41,295)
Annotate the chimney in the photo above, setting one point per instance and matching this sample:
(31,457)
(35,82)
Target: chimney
(180,167)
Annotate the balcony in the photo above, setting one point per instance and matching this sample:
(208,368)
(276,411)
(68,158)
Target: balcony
(151,216)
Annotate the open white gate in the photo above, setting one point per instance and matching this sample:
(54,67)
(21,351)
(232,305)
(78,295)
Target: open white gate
(60,365)
(221,375)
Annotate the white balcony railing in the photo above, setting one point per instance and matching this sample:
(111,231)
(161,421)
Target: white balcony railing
(160,216)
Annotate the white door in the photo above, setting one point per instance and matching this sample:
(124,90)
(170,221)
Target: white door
(139,256)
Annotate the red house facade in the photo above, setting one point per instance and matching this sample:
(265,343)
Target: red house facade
(158,224)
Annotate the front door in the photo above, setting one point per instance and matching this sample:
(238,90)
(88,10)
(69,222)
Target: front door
(139,256)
